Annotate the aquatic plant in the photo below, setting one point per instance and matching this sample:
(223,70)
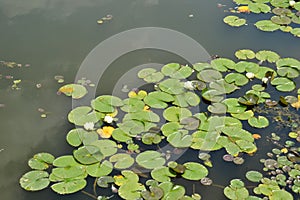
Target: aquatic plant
(113,139)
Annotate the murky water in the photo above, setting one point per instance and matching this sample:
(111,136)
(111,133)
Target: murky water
(55,36)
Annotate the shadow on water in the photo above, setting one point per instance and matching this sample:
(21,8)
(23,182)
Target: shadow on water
(55,36)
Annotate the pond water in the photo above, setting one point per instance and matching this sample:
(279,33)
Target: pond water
(55,36)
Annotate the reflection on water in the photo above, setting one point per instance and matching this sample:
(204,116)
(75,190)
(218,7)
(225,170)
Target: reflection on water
(55,36)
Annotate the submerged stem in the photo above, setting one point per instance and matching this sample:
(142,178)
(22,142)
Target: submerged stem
(88,194)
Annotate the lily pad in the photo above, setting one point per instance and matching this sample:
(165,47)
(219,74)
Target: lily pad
(133,105)
(243,116)
(177,71)
(233,106)
(106,147)
(150,159)
(186,99)
(281,194)
(213,95)
(234,21)
(259,122)
(162,174)
(171,86)
(35,180)
(267,25)
(281,20)
(172,191)
(88,154)
(100,169)
(151,138)
(75,90)
(170,127)
(121,160)
(237,79)
(236,190)
(281,11)
(121,136)
(209,75)
(283,84)
(222,86)
(76,137)
(81,115)
(296,32)
(175,114)
(194,171)
(259,8)
(288,62)
(265,55)
(154,193)
(222,64)
(254,176)
(41,161)
(248,99)
(68,187)
(158,99)
(280,3)
(190,123)
(179,139)
(217,108)
(288,72)
(106,103)
(244,54)
(150,75)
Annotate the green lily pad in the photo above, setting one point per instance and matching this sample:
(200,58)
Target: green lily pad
(217,108)
(259,8)
(237,79)
(81,115)
(121,136)
(162,174)
(242,1)
(234,21)
(150,159)
(222,64)
(209,75)
(73,172)
(281,20)
(222,86)
(151,138)
(206,141)
(288,62)
(150,75)
(106,103)
(280,3)
(77,136)
(186,99)
(41,161)
(88,154)
(261,73)
(233,106)
(243,116)
(133,105)
(154,193)
(236,190)
(265,55)
(34,180)
(75,90)
(143,116)
(288,72)
(170,127)
(283,84)
(194,171)
(281,194)
(246,146)
(68,187)
(121,160)
(177,71)
(213,95)
(131,128)
(267,25)
(248,99)
(201,66)
(104,181)
(286,29)
(65,161)
(106,147)
(296,19)
(246,66)
(281,11)
(172,191)
(296,32)
(175,114)
(244,54)
(259,122)
(179,139)
(171,86)
(190,123)
(100,169)
(158,99)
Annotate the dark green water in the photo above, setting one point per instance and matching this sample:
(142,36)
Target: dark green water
(54,37)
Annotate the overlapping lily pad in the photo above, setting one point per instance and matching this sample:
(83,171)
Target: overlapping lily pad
(150,75)
(175,70)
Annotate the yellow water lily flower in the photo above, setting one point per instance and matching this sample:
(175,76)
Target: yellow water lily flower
(284,150)
(132,94)
(297,103)
(105,131)
(243,9)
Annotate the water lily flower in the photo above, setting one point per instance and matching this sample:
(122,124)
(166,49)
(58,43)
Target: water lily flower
(106,131)
(243,9)
(264,80)
(256,136)
(89,126)
(189,85)
(250,75)
(292,3)
(108,119)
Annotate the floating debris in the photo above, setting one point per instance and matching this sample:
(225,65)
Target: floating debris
(38,85)
(228,158)
(206,181)
(191,15)
(15,84)
(104,19)
(59,78)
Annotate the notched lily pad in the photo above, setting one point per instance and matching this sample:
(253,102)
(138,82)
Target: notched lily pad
(150,75)
(150,159)
(244,54)
(35,180)
(177,71)
(234,21)
(75,90)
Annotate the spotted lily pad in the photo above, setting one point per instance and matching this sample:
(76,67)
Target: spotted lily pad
(234,21)
(150,75)
(259,122)
(75,90)
(150,159)
(283,84)
(194,171)
(35,180)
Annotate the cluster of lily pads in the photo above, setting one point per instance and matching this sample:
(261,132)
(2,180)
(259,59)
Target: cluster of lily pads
(285,15)
(199,107)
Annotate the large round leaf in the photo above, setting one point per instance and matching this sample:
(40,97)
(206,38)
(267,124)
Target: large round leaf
(158,99)
(234,21)
(172,191)
(194,171)
(254,176)
(81,115)
(259,122)
(121,160)
(162,174)
(236,190)
(267,25)
(244,54)
(281,20)
(288,62)
(177,71)
(88,154)
(222,64)
(171,86)
(75,90)
(150,159)
(175,114)
(259,8)
(68,187)
(100,169)
(283,84)
(35,180)
(150,75)
(237,79)
(41,161)
(179,139)
(132,105)
(269,56)
(106,103)
(186,99)
(106,147)
(209,75)
(76,137)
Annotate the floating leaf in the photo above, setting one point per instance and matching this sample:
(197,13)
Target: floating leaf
(281,11)
(158,99)
(243,116)
(259,122)
(162,174)
(194,171)
(190,123)
(288,72)
(281,20)
(246,66)
(259,8)
(68,187)
(175,70)
(150,159)
(65,161)
(106,147)
(41,161)
(119,135)
(213,95)
(133,105)
(172,191)
(222,64)
(254,176)
(103,181)
(265,55)
(35,180)
(267,25)
(175,114)
(150,75)
(283,84)
(88,154)
(121,160)
(179,139)
(76,137)
(234,21)
(75,90)
(205,141)
(248,99)
(244,54)
(151,138)
(81,115)
(236,190)
(217,108)
(222,86)
(100,169)
(280,3)
(237,79)
(281,194)
(233,106)
(171,86)
(296,32)
(201,66)
(209,75)
(288,62)
(186,99)
(155,193)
